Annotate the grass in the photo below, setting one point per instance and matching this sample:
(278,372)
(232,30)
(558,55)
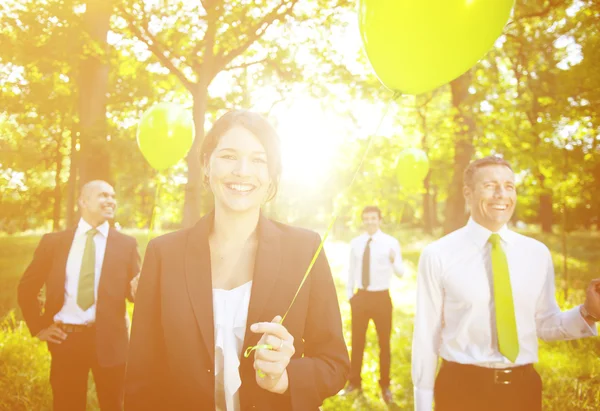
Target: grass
(570,370)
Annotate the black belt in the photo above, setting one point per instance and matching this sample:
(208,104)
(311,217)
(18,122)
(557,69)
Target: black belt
(502,376)
(363,291)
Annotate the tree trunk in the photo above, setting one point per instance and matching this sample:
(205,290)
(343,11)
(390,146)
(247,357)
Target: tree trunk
(58,160)
(545,211)
(427,208)
(434,208)
(72,183)
(565,226)
(427,217)
(455,216)
(93,89)
(192,207)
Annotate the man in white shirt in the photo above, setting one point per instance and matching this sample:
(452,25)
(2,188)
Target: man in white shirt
(374,256)
(88,272)
(485,294)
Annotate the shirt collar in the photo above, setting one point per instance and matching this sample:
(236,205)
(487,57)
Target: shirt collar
(481,235)
(374,236)
(84,227)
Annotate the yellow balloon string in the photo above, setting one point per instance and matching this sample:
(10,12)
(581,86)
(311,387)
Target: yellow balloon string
(333,219)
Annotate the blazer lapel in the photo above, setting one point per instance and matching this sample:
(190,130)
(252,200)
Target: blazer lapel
(59,268)
(266,271)
(199,279)
(110,253)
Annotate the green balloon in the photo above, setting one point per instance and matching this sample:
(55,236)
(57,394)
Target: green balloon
(412,167)
(165,134)
(416,46)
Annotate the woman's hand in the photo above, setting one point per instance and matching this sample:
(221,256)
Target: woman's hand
(271,364)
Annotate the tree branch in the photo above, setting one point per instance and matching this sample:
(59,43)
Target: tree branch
(155,47)
(245,65)
(281,99)
(208,4)
(544,12)
(204,66)
(257,32)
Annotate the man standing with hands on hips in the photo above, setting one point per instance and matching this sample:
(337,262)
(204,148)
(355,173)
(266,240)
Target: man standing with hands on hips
(485,294)
(88,271)
(374,256)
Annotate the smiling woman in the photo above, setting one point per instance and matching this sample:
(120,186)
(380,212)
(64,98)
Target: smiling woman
(241,160)
(209,291)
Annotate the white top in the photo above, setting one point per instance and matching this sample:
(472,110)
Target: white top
(455,316)
(381,268)
(71,313)
(230,310)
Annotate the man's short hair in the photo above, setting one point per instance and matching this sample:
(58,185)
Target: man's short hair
(480,163)
(371,209)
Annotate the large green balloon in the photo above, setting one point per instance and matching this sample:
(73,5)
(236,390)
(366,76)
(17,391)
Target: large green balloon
(412,167)
(416,46)
(165,134)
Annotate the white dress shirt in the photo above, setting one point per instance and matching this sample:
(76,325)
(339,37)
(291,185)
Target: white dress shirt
(455,317)
(381,268)
(71,313)
(230,311)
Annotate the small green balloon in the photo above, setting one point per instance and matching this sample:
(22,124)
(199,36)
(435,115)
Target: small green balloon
(412,167)
(165,134)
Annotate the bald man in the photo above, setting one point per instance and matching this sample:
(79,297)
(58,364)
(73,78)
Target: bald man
(89,271)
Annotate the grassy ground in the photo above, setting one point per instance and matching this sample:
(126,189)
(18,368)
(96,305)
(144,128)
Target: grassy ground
(570,370)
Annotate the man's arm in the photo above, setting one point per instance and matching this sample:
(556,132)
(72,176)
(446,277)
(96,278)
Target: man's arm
(351,269)
(427,329)
(397,259)
(30,285)
(134,271)
(552,324)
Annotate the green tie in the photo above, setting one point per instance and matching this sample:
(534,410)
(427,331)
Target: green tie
(508,340)
(87,274)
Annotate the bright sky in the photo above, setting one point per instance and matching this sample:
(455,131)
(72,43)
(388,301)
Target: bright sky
(310,138)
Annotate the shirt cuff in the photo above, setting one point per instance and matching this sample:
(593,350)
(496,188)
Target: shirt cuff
(398,267)
(577,326)
(423,399)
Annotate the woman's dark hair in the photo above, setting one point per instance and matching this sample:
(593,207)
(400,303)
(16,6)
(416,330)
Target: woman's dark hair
(257,125)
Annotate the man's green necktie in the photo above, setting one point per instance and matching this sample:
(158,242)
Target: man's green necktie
(87,274)
(508,340)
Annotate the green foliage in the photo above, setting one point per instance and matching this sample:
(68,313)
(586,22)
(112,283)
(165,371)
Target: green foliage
(25,367)
(534,99)
(25,370)
(38,99)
